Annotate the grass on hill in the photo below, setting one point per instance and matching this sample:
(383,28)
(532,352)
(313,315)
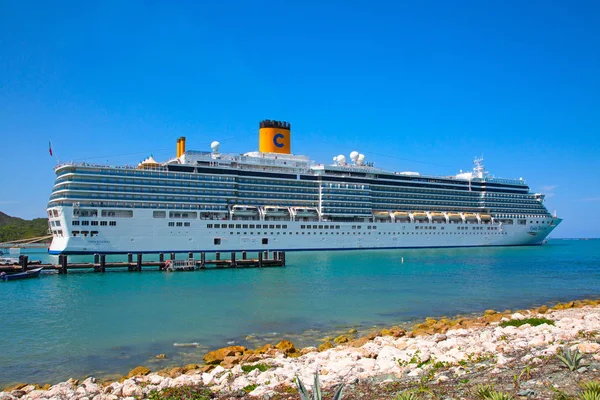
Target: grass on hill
(12,228)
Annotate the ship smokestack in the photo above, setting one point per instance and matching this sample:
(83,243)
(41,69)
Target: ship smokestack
(275,137)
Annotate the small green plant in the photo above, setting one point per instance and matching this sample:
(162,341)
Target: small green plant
(261,367)
(591,390)
(317,395)
(483,391)
(487,392)
(588,395)
(250,388)
(590,386)
(182,393)
(500,396)
(571,359)
(559,394)
(530,321)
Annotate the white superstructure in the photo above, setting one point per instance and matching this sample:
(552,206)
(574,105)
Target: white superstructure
(273,200)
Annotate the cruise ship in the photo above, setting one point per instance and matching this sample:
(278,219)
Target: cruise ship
(273,200)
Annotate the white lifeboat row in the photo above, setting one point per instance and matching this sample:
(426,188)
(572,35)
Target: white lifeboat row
(432,216)
(273,211)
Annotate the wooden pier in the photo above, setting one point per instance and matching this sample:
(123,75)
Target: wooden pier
(137,263)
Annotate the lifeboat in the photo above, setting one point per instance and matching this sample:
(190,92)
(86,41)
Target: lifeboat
(470,216)
(381,214)
(419,215)
(305,211)
(401,216)
(485,217)
(437,216)
(274,211)
(453,216)
(244,211)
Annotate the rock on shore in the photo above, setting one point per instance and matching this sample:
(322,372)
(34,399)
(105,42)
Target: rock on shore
(390,353)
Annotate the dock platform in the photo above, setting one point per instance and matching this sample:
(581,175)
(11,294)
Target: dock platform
(263,260)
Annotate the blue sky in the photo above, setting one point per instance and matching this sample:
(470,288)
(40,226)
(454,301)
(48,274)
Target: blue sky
(419,86)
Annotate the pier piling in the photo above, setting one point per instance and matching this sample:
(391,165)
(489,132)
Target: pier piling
(103,263)
(138,266)
(260,259)
(233,263)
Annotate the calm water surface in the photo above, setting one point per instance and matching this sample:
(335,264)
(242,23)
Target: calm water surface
(57,327)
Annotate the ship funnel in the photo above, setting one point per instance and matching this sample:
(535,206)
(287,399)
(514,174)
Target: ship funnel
(274,137)
(180,146)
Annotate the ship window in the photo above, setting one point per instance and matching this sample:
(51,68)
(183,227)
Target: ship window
(209,226)
(112,223)
(284,226)
(301,226)
(75,223)
(278,226)
(103,223)
(93,223)
(118,213)
(251,226)
(271,226)
(186,224)
(171,223)
(265,241)
(230,226)
(245,226)
(217,241)
(217,225)
(93,233)
(85,222)
(159,214)
(75,233)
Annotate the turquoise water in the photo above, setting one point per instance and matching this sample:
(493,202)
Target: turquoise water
(57,327)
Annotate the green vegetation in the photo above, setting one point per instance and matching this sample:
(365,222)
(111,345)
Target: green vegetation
(250,387)
(260,367)
(530,321)
(571,359)
(487,392)
(182,392)
(317,395)
(12,228)
(591,390)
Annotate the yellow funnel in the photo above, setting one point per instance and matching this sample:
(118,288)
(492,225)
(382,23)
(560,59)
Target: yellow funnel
(274,137)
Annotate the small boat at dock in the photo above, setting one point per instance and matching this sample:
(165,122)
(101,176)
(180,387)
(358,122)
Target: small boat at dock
(33,273)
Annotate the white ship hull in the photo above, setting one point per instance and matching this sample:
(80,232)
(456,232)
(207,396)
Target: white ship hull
(145,234)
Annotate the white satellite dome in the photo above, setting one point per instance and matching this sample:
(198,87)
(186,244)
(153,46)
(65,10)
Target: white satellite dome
(354,156)
(215,146)
(341,159)
(361,159)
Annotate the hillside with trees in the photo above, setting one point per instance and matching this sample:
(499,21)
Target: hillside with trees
(13,228)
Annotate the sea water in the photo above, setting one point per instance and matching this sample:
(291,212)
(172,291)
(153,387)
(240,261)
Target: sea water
(87,323)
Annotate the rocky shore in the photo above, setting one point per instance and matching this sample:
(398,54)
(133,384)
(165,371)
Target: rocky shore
(516,352)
